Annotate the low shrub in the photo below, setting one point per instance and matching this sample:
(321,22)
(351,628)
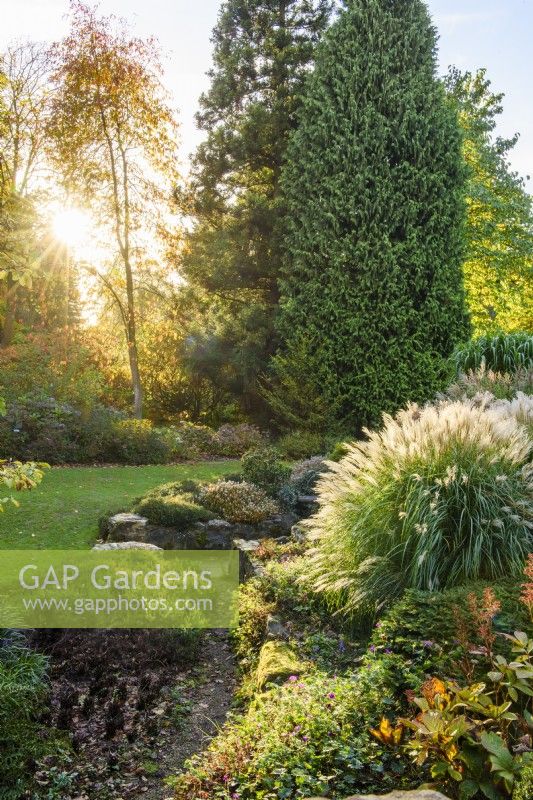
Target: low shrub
(254,610)
(194,441)
(136,441)
(441,495)
(265,469)
(238,502)
(306,474)
(174,511)
(424,626)
(338,451)
(23,690)
(43,429)
(502,385)
(301,444)
(235,440)
(502,353)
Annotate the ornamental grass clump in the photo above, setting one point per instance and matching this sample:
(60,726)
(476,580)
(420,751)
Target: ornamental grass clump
(439,496)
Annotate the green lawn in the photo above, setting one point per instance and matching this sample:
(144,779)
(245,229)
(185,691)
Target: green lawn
(63,511)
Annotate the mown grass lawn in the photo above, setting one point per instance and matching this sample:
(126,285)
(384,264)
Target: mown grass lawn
(63,511)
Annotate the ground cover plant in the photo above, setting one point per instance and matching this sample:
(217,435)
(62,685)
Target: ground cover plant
(475,733)
(23,688)
(63,512)
(331,729)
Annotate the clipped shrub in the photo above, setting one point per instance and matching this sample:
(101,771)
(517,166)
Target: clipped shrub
(235,440)
(506,352)
(265,469)
(238,502)
(301,444)
(23,691)
(439,496)
(174,511)
(502,385)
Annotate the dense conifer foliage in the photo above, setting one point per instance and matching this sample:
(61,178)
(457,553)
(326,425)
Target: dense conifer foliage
(374,196)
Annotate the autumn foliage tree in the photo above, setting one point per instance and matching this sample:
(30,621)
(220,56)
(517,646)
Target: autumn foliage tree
(498,268)
(114,143)
(25,96)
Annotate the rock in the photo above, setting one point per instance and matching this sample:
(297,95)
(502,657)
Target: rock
(307,505)
(279,525)
(298,534)
(277,661)
(417,794)
(125,546)
(247,545)
(217,534)
(275,628)
(248,566)
(218,524)
(126,527)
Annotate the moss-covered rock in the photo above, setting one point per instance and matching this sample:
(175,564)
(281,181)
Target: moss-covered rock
(277,661)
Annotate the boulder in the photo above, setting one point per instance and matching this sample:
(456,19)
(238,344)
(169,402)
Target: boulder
(248,565)
(277,526)
(217,534)
(275,629)
(298,534)
(125,527)
(125,546)
(306,505)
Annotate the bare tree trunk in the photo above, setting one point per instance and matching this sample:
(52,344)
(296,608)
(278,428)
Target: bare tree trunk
(133,354)
(10,311)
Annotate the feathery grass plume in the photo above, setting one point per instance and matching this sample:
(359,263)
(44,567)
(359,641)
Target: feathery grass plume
(520,408)
(440,495)
(503,385)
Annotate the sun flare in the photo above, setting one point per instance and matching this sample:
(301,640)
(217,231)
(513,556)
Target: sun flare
(71,226)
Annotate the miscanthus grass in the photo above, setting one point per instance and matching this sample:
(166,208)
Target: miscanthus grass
(440,495)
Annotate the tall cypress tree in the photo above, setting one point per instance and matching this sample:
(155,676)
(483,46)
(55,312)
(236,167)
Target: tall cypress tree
(374,187)
(262,53)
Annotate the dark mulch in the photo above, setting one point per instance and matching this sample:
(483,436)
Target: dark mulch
(128,701)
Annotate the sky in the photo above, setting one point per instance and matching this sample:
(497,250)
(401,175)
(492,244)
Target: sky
(496,34)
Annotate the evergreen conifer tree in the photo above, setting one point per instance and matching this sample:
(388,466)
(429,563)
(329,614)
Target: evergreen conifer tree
(373,188)
(262,53)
